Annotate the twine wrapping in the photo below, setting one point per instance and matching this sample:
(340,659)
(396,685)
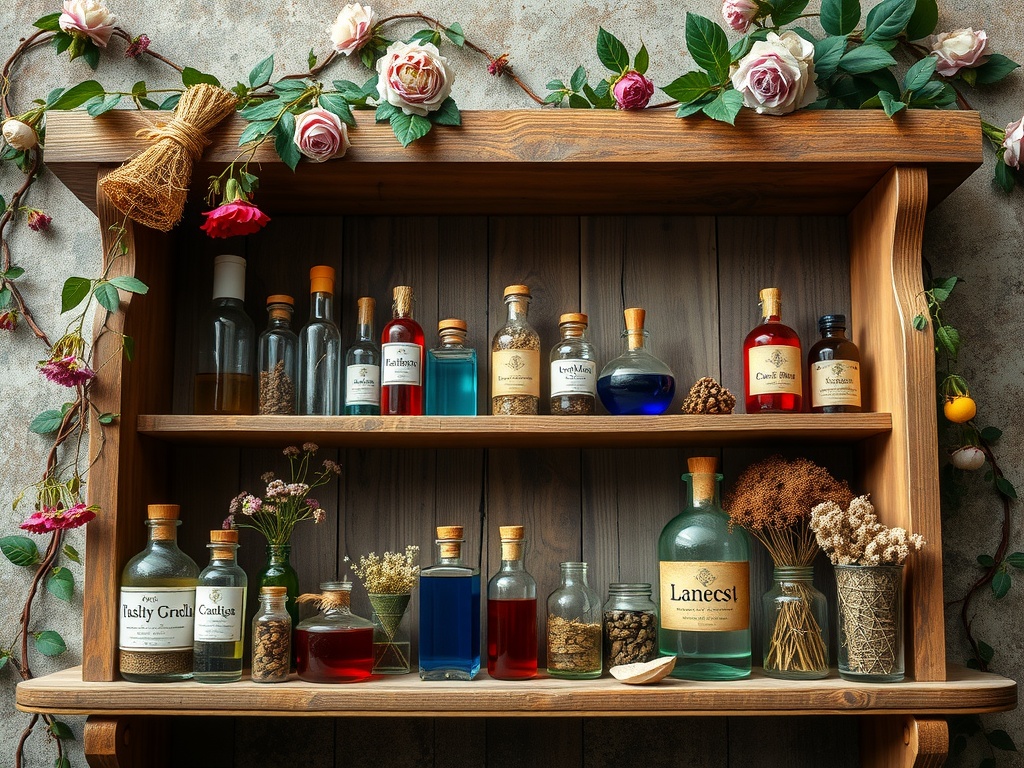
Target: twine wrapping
(390,609)
(870,618)
(151,188)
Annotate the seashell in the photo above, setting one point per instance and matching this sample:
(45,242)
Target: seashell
(644,672)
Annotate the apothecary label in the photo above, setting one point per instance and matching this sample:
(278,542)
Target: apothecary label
(835,382)
(705,596)
(515,372)
(157,618)
(774,370)
(362,385)
(400,364)
(219,612)
(573,377)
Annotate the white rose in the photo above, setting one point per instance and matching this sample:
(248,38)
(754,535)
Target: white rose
(959,49)
(414,77)
(1013,143)
(353,28)
(88,18)
(20,135)
(777,76)
(320,135)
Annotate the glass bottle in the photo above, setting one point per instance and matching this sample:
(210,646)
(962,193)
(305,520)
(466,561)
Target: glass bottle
(320,349)
(834,369)
(227,346)
(574,626)
(795,640)
(451,372)
(515,359)
(278,359)
(401,375)
(362,365)
(278,571)
(630,625)
(158,597)
(636,383)
(335,646)
(704,584)
(772,361)
(220,613)
(512,612)
(271,637)
(573,369)
(449,612)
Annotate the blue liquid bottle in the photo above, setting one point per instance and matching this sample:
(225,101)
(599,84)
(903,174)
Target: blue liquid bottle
(451,373)
(636,383)
(449,612)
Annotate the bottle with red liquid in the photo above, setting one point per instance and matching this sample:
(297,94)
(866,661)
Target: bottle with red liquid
(401,372)
(772,362)
(512,612)
(335,646)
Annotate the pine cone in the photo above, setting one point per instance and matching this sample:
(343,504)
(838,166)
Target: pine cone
(708,396)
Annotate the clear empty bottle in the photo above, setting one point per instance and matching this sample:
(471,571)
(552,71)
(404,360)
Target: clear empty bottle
(320,349)
(636,382)
(278,359)
(451,372)
(227,346)
(362,365)
(220,613)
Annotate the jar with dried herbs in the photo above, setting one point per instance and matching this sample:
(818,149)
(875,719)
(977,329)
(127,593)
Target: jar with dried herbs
(574,626)
(278,358)
(515,359)
(573,369)
(271,637)
(630,625)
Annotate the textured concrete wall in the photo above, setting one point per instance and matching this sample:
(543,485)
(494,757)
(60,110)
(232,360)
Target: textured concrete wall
(976,234)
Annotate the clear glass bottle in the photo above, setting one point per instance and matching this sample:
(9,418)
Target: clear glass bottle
(449,612)
(278,359)
(636,383)
(795,640)
(401,375)
(834,369)
(630,625)
(574,626)
(158,598)
(335,646)
(704,584)
(573,369)
(772,361)
(515,359)
(227,346)
(320,349)
(220,613)
(512,612)
(362,365)
(271,637)
(451,372)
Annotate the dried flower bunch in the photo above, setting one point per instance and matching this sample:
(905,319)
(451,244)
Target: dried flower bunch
(853,536)
(394,573)
(708,396)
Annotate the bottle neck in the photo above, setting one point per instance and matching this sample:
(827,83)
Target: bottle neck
(703,490)
(321,306)
(364,332)
(574,332)
(273,604)
(228,301)
(833,333)
(278,553)
(518,308)
(280,322)
(793,573)
(771,310)
(449,552)
(453,340)
(163,533)
(574,574)
(223,554)
(513,554)
(629,590)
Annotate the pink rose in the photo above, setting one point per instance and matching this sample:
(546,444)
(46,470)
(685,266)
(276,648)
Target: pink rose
(739,14)
(959,49)
(320,135)
(632,91)
(238,217)
(414,77)
(1012,144)
(88,18)
(353,28)
(777,76)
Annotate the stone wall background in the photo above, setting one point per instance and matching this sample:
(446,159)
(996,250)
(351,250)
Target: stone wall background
(976,234)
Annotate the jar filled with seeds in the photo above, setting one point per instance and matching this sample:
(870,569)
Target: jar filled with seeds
(573,369)
(278,359)
(630,625)
(271,637)
(574,626)
(515,359)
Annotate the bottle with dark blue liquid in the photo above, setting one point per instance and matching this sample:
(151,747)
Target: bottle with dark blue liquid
(636,383)
(449,612)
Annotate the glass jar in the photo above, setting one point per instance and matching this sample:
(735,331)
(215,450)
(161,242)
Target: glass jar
(870,600)
(271,637)
(451,372)
(227,346)
(574,626)
(636,383)
(335,646)
(834,369)
(278,359)
(391,641)
(573,369)
(795,641)
(515,359)
(630,625)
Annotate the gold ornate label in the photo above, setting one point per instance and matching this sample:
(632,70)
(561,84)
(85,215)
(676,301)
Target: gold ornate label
(835,382)
(705,596)
(515,372)
(774,370)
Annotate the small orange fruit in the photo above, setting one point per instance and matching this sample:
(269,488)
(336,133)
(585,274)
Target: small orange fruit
(960,409)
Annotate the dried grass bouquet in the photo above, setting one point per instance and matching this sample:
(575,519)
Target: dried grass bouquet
(394,573)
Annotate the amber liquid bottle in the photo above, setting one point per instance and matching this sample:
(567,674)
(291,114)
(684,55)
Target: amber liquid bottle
(401,370)
(833,368)
(772,362)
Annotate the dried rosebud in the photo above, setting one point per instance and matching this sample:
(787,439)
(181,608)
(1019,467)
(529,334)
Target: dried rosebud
(19,135)
(138,46)
(38,221)
(970,457)
(498,66)
(8,320)
(57,518)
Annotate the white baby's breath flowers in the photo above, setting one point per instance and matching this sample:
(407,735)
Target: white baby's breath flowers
(394,573)
(855,537)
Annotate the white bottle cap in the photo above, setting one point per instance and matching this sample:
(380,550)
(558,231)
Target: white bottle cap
(229,277)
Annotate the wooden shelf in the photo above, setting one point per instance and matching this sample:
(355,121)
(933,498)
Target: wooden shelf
(965,692)
(512,431)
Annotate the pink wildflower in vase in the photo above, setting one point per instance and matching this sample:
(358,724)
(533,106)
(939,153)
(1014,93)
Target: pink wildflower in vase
(57,518)
(68,371)
(632,91)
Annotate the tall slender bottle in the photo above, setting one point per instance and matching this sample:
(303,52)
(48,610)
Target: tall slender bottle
(704,585)
(227,346)
(320,349)
(772,361)
(449,612)
(362,366)
(401,375)
(158,597)
(451,372)
(278,358)
(515,359)
(512,612)
(220,613)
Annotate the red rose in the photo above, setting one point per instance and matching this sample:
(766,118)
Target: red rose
(632,91)
(235,218)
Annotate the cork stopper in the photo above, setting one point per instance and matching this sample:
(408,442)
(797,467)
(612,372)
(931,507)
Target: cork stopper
(450,539)
(703,470)
(635,317)
(280,306)
(224,536)
(517,290)
(321,280)
(572,317)
(273,591)
(366,305)
(451,323)
(771,302)
(280,298)
(511,542)
(401,305)
(163,511)
(163,521)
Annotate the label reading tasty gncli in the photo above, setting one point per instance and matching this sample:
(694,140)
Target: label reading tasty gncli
(362,385)
(774,370)
(157,618)
(705,596)
(219,612)
(515,372)
(835,382)
(573,377)
(400,364)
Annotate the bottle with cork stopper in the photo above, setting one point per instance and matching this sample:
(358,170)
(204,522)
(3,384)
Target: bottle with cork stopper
(636,383)
(220,612)
(515,359)
(451,372)
(278,359)
(449,612)
(271,637)
(512,612)
(401,374)
(362,365)
(573,369)
(772,361)
(157,611)
(320,349)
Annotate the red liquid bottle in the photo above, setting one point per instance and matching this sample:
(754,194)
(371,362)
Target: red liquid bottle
(512,612)
(335,646)
(772,362)
(401,372)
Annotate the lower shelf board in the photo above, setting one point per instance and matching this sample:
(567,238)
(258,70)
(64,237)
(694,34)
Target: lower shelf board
(963,692)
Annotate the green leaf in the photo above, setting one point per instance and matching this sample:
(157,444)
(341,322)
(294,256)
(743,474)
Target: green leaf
(553,85)
(889,104)
(986,561)
(171,101)
(426,36)
(725,107)
(578,102)
(578,79)
(612,52)
(599,96)
(20,550)
(787,11)
(409,128)
(77,95)
(995,69)
(386,111)
(139,89)
(255,131)
(267,110)
(447,114)
(91,54)
(1001,584)
(46,422)
(1016,560)
(61,42)
(14,272)
(5,297)
(337,105)
(741,48)
(191,76)
(555,98)
(694,107)
(97,105)
(642,60)
(130,284)
(924,19)
(284,141)
(50,643)
(311,59)
(260,74)
(128,345)
(455,34)
(49,22)
(4,658)
(920,323)
(1004,176)
(827,53)
(708,45)
(865,58)
(840,17)
(74,292)
(1000,740)
(948,338)
(71,554)
(991,434)
(61,730)
(289,88)
(934,94)
(61,584)
(689,87)
(920,74)
(888,19)
(106,418)
(986,651)
(107,296)
(1006,488)
(941,287)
